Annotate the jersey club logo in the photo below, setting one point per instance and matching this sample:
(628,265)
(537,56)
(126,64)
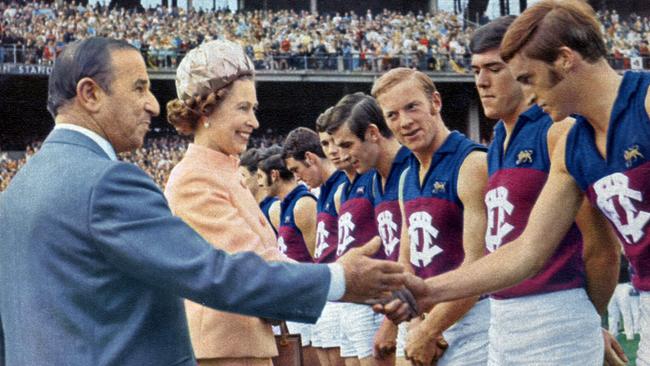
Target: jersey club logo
(420,222)
(438,187)
(321,236)
(498,207)
(617,186)
(346,226)
(524,156)
(631,155)
(387,231)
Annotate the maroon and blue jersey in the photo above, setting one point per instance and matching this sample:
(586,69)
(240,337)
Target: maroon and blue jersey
(327,219)
(433,210)
(516,178)
(619,185)
(387,210)
(265,206)
(356,223)
(290,239)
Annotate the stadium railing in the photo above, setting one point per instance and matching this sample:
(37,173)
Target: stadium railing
(167,59)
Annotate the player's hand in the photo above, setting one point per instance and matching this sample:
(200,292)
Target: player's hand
(422,347)
(614,353)
(386,340)
(399,310)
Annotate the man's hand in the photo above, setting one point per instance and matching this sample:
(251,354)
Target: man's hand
(398,310)
(423,348)
(369,279)
(614,354)
(386,340)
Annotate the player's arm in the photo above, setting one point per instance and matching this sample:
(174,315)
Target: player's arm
(553,215)
(601,254)
(404,256)
(647,102)
(305,214)
(472,180)
(274,214)
(601,248)
(337,197)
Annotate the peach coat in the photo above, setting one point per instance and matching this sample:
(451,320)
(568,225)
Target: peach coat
(207,191)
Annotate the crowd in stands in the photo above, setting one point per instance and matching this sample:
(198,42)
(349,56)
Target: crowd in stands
(282,40)
(626,38)
(157,156)
(10,166)
(278,40)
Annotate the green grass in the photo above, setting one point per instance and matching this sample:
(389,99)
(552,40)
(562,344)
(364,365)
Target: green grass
(630,347)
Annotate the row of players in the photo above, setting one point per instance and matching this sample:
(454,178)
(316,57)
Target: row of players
(387,165)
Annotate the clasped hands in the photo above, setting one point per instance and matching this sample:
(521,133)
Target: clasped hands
(383,284)
(405,303)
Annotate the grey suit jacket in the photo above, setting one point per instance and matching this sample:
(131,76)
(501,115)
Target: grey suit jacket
(93,266)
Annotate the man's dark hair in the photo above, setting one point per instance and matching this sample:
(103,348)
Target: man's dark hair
(275,162)
(249,159)
(86,58)
(322,122)
(358,111)
(489,36)
(341,111)
(299,142)
(265,152)
(544,28)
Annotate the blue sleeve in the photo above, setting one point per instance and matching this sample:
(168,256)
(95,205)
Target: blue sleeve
(134,229)
(2,344)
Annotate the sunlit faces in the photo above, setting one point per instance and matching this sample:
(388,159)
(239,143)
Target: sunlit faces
(233,121)
(361,153)
(263,181)
(128,105)
(546,84)
(250,180)
(412,115)
(332,152)
(499,91)
(305,171)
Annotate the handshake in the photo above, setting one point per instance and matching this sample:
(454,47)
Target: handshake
(385,285)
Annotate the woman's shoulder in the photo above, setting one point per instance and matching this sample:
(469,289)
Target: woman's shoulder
(191,174)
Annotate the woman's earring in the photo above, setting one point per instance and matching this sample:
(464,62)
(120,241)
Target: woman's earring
(206,124)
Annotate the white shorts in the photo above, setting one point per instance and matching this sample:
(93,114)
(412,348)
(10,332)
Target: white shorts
(557,328)
(402,335)
(359,324)
(468,338)
(623,305)
(327,330)
(643,354)
(303,329)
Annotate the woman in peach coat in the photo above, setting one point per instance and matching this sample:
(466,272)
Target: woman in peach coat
(217,104)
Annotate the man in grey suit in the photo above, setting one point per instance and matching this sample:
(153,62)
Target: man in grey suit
(92,263)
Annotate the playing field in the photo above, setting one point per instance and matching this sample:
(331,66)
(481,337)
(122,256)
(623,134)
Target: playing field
(630,347)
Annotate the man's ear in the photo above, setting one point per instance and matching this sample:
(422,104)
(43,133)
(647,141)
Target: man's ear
(275,175)
(436,103)
(372,133)
(566,60)
(311,158)
(89,95)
